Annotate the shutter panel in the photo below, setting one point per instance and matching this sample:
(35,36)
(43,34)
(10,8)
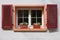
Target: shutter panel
(51,16)
(6,16)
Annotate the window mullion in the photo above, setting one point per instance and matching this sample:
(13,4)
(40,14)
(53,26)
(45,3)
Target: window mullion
(29,18)
(36,16)
(23,16)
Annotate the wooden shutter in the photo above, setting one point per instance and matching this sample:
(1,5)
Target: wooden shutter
(6,16)
(51,16)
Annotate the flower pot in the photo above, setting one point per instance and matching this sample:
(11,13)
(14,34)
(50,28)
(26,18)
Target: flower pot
(23,26)
(36,25)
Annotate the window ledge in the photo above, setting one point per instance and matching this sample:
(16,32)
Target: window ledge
(30,29)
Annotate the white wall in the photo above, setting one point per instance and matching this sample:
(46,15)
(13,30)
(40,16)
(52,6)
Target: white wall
(10,35)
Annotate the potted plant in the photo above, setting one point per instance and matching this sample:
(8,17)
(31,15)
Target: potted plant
(36,25)
(23,25)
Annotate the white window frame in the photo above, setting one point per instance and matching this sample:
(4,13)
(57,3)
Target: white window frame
(29,16)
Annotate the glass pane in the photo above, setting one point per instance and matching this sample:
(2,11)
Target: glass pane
(33,13)
(20,20)
(26,20)
(33,20)
(25,13)
(39,13)
(39,20)
(20,13)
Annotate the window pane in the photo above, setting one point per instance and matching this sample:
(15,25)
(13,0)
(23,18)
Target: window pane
(20,20)
(25,13)
(33,20)
(39,20)
(20,13)
(33,13)
(26,20)
(39,13)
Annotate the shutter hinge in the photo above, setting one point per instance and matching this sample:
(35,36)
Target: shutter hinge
(12,10)
(12,24)
(46,9)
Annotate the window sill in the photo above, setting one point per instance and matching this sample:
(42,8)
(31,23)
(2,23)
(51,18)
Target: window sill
(30,30)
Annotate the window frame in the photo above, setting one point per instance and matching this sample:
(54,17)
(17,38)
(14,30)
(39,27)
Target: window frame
(30,16)
(29,6)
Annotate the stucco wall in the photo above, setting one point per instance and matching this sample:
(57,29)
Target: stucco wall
(10,35)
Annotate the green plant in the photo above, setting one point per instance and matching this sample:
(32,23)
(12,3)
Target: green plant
(37,23)
(24,23)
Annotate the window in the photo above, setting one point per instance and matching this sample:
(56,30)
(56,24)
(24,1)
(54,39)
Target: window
(29,16)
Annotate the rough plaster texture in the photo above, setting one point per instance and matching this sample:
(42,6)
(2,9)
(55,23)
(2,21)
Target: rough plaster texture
(10,35)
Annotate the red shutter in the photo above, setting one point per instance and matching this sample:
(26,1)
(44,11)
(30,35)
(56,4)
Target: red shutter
(51,16)
(6,16)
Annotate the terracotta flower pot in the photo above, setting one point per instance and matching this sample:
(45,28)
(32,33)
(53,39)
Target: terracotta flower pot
(36,25)
(23,26)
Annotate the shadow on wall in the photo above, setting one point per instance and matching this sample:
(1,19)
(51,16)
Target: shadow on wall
(53,30)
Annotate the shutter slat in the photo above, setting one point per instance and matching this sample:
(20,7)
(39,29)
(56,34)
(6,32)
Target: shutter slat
(6,16)
(51,16)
